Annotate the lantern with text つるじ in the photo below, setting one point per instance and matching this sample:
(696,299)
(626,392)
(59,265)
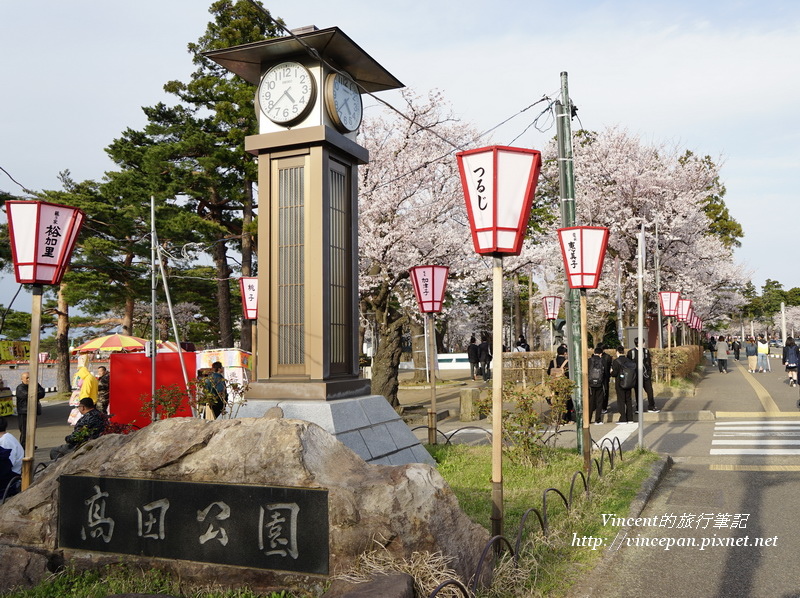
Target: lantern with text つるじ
(499,184)
(248,285)
(43,236)
(430,283)
(583,249)
(669,303)
(551,305)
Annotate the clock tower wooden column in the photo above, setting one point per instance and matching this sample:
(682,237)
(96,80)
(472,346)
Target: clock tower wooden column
(309,109)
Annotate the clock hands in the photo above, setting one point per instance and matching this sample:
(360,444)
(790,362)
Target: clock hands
(285,93)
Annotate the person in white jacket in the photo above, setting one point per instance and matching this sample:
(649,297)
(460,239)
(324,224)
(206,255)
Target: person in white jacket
(11,454)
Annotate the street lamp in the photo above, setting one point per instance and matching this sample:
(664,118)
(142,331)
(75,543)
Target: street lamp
(430,283)
(248,285)
(43,236)
(551,305)
(583,249)
(669,306)
(498,183)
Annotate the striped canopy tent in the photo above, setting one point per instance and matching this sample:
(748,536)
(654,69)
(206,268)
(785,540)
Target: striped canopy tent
(112,342)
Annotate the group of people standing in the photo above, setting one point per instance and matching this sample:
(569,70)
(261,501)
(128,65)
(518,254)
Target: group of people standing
(601,368)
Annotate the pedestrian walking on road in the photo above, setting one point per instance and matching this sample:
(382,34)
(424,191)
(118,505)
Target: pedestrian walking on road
(751,351)
(485,357)
(763,354)
(736,346)
(722,355)
(712,349)
(473,354)
(791,357)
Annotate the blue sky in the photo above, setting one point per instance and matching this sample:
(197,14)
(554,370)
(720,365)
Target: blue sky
(718,78)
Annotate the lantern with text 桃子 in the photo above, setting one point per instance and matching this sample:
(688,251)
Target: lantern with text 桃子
(499,183)
(669,303)
(551,305)
(583,249)
(430,283)
(685,310)
(43,236)
(249,288)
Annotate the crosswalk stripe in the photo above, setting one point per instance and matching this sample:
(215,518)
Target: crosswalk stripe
(759,423)
(754,437)
(765,442)
(764,452)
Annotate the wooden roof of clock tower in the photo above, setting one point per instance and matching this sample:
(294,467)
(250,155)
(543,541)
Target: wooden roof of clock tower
(331,44)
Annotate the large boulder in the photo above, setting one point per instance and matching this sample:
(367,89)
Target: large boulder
(405,508)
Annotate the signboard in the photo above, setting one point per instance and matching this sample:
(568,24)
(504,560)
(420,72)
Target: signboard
(15,351)
(262,527)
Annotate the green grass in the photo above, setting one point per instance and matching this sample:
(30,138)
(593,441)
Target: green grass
(120,579)
(548,566)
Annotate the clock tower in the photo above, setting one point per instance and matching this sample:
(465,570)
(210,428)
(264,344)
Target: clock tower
(309,108)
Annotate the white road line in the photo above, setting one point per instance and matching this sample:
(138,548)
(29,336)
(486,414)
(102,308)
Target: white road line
(765,452)
(764,442)
(768,437)
(621,431)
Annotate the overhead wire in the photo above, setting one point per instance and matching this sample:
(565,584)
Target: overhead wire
(25,189)
(314,54)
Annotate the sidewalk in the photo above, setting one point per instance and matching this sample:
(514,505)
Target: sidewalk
(715,395)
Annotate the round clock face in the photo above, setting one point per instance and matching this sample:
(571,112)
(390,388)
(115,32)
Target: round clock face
(286,92)
(343,101)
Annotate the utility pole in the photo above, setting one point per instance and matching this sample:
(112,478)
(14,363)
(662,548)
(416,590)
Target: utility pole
(566,177)
(657,268)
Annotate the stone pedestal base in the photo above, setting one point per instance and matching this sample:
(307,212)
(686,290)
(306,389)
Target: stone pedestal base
(367,425)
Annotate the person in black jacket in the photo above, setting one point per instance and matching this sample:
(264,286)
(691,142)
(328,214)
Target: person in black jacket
(485,357)
(21,394)
(607,359)
(647,376)
(791,359)
(624,402)
(90,426)
(473,354)
(561,365)
(596,392)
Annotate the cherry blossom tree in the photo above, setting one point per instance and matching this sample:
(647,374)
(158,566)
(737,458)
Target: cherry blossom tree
(411,212)
(622,183)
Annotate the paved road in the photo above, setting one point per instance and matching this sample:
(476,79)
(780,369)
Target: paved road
(727,504)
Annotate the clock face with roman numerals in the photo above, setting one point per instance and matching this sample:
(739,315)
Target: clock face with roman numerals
(343,101)
(286,93)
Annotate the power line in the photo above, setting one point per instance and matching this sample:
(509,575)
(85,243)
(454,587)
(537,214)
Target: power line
(25,189)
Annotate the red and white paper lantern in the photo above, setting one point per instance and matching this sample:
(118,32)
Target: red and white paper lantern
(43,236)
(499,183)
(430,284)
(583,249)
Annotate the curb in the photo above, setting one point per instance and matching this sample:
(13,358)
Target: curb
(584,586)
